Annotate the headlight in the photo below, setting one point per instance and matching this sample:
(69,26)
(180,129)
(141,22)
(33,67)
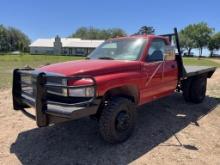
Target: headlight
(82,92)
(86,91)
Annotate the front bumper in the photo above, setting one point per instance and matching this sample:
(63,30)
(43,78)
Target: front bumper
(47,109)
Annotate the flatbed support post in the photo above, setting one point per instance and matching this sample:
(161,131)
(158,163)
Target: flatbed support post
(181,69)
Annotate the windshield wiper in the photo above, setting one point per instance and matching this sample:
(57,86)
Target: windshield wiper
(106,58)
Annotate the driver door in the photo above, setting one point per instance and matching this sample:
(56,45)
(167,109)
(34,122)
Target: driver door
(153,70)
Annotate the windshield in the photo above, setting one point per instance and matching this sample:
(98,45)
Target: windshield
(122,49)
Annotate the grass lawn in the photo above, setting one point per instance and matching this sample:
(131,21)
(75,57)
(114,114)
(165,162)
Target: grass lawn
(9,62)
(201,62)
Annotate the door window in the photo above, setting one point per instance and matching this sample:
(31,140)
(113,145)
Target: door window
(156,50)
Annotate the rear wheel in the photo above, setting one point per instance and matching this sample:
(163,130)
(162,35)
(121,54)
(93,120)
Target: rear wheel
(186,85)
(194,89)
(198,89)
(117,120)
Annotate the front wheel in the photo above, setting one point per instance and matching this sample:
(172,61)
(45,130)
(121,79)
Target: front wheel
(117,120)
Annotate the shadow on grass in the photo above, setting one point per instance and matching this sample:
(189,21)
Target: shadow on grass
(78,142)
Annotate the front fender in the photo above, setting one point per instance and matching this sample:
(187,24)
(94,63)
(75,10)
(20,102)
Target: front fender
(119,80)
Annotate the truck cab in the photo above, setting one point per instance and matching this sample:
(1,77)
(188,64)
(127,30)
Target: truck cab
(118,76)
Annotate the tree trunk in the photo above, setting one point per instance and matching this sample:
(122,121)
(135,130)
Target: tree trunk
(200,53)
(189,51)
(211,53)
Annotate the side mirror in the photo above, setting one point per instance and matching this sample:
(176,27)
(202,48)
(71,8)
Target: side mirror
(169,53)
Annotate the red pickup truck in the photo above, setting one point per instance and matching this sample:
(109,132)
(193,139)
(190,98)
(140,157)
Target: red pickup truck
(118,76)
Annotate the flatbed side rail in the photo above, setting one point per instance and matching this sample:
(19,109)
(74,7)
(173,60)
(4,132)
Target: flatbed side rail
(192,71)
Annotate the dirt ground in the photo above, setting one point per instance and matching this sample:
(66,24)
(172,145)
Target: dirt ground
(215,60)
(169,131)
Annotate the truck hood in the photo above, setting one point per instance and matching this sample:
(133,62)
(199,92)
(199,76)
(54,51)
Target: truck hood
(91,67)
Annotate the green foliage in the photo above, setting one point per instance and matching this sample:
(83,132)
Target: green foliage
(186,41)
(4,39)
(196,36)
(214,43)
(95,33)
(146,30)
(201,34)
(12,39)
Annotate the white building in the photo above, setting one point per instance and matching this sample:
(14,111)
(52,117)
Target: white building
(66,46)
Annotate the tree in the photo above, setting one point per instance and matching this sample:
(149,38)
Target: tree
(95,33)
(196,36)
(12,39)
(117,32)
(186,40)
(214,43)
(4,39)
(80,33)
(146,30)
(18,40)
(201,35)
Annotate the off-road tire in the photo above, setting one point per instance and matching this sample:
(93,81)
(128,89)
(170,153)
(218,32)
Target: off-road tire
(111,125)
(186,85)
(198,89)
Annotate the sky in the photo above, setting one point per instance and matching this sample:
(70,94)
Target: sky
(47,18)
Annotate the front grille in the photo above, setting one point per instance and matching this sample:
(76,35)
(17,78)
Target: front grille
(55,81)
(28,84)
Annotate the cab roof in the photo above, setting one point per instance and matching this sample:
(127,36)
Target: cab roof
(144,36)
